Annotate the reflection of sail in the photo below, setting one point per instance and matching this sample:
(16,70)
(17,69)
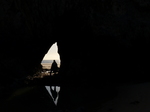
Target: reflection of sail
(50,92)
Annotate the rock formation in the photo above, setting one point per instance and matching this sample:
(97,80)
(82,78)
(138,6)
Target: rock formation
(100,42)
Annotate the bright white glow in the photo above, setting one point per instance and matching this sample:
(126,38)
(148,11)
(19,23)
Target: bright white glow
(52,53)
(50,93)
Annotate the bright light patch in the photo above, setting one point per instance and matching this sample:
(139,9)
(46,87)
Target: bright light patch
(52,53)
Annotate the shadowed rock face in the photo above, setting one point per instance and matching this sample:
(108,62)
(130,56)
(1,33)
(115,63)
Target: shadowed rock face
(99,41)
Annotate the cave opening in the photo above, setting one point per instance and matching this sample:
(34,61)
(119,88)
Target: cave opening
(51,56)
(44,75)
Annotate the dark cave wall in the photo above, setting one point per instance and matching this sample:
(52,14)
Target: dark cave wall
(21,38)
(23,44)
(111,41)
(98,41)
(105,28)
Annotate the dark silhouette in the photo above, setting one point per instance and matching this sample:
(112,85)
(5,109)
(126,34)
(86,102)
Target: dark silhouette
(54,68)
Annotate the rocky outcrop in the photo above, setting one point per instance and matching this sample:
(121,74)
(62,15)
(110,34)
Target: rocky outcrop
(100,42)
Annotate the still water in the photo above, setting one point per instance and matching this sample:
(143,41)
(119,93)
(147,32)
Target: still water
(57,91)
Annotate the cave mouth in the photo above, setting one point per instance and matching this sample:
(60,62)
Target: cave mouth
(46,63)
(43,75)
(51,55)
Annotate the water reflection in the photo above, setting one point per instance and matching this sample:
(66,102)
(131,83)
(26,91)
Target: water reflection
(56,89)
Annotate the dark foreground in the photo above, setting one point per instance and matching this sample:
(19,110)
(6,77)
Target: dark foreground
(125,97)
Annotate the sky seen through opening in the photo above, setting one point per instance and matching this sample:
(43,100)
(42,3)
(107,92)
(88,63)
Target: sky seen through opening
(52,54)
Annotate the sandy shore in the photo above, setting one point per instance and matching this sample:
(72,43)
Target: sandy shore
(47,65)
